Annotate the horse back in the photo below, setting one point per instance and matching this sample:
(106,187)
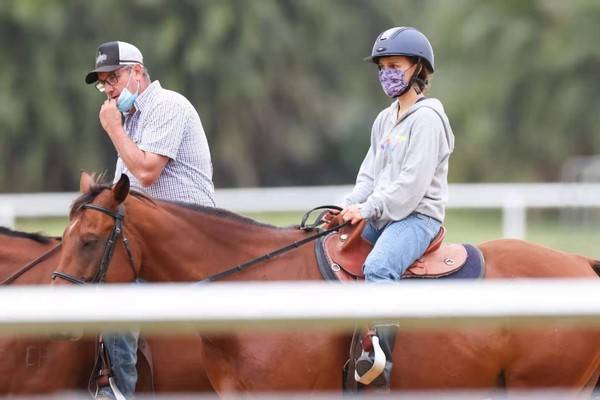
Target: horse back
(513,258)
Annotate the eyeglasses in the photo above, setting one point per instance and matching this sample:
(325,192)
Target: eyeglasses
(112,80)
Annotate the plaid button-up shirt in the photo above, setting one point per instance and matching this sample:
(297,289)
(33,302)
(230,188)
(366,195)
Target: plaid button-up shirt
(166,123)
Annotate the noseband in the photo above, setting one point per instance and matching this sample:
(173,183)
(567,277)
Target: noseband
(109,247)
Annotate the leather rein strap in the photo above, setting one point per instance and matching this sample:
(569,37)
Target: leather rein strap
(294,245)
(109,247)
(31,264)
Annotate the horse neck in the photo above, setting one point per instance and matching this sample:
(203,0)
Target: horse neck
(178,244)
(17,252)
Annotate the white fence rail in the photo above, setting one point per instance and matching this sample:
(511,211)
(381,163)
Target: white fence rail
(513,199)
(241,306)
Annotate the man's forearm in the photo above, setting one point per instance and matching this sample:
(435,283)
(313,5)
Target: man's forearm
(137,161)
(131,155)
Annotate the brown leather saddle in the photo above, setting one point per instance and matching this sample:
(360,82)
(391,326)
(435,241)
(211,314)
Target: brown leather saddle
(345,252)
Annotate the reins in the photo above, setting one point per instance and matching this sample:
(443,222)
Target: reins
(31,264)
(296,244)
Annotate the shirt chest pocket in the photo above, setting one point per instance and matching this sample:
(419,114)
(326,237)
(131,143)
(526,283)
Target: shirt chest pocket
(133,131)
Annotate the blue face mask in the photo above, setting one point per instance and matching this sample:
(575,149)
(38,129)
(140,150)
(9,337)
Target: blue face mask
(126,98)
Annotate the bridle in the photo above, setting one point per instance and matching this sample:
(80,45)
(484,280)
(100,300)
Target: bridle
(109,247)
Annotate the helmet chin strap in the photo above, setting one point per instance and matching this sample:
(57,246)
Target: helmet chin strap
(413,79)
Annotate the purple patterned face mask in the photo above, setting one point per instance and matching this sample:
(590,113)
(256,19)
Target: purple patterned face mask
(392,81)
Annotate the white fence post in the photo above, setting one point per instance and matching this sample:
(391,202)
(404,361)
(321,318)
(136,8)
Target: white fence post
(514,217)
(7,216)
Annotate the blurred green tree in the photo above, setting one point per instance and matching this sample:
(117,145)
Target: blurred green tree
(283,92)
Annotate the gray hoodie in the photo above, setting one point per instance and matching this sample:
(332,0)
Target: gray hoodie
(406,167)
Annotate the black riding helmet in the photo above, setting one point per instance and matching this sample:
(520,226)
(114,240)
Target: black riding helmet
(403,41)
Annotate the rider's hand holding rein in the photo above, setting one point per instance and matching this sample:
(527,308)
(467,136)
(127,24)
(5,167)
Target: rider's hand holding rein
(352,214)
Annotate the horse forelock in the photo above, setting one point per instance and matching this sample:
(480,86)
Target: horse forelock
(88,197)
(37,237)
(95,191)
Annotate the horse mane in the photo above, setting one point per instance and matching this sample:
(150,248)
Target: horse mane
(596,266)
(221,213)
(37,237)
(99,187)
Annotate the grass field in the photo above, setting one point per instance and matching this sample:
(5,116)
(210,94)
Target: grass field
(464,226)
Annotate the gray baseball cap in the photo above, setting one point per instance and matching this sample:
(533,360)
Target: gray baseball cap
(112,56)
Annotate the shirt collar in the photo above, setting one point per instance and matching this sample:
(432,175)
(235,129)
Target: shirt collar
(147,96)
(394,109)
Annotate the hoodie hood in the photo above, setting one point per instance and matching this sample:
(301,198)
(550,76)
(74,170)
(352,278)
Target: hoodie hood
(435,105)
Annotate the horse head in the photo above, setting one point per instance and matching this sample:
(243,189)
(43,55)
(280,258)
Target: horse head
(116,235)
(96,236)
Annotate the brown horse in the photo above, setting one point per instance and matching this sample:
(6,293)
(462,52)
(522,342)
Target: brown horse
(173,242)
(39,365)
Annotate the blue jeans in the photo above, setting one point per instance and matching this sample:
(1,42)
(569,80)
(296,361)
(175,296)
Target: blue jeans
(397,246)
(122,349)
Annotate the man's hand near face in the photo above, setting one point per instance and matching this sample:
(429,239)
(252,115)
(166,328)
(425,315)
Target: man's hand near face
(110,117)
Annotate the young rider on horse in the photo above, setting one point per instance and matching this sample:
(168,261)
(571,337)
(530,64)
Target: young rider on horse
(402,185)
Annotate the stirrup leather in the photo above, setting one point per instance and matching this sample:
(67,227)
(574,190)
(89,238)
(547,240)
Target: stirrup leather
(378,364)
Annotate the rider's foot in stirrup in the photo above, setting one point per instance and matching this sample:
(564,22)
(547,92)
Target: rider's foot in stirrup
(364,363)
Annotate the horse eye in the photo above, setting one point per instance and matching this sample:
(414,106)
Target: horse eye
(88,241)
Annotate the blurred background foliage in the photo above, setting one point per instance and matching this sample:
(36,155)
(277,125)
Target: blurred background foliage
(282,90)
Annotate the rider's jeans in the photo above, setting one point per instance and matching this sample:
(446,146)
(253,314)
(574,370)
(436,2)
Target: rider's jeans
(122,348)
(397,246)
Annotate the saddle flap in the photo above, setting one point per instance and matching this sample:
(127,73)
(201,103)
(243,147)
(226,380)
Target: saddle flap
(347,249)
(447,259)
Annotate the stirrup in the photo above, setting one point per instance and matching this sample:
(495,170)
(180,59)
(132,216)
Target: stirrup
(378,364)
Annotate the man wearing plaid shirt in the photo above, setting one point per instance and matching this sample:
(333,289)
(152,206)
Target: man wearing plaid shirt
(161,147)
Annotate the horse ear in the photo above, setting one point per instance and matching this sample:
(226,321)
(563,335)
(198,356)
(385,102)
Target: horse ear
(86,180)
(121,189)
